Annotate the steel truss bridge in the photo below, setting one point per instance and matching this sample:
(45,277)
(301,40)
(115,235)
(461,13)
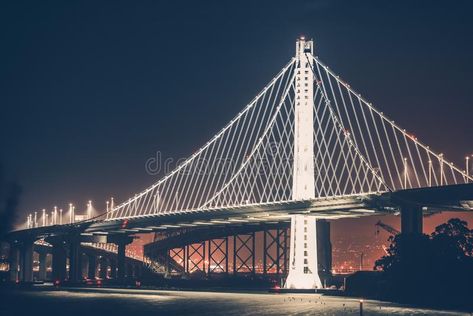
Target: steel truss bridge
(308,148)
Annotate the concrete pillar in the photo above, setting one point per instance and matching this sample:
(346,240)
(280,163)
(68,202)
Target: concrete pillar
(84,272)
(59,262)
(129,271)
(121,267)
(137,271)
(42,266)
(113,269)
(103,268)
(121,261)
(26,262)
(303,261)
(121,242)
(324,249)
(92,267)
(75,270)
(14,261)
(411,219)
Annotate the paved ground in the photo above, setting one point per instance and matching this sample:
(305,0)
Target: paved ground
(116,302)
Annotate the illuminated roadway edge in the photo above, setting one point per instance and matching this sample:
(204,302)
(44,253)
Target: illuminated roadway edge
(433,199)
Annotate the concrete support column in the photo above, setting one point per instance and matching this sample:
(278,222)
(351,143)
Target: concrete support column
(75,271)
(103,268)
(42,266)
(411,219)
(129,271)
(59,262)
(92,267)
(14,261)
(303,262)
(121,242)
(113,269)
(324,249)
(26,262)
(121,261)
(137,271)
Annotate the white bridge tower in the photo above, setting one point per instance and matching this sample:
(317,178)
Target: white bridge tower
(303,263)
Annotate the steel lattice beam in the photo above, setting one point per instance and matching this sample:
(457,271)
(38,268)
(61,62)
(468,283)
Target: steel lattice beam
(195,257)
(244,262)
(275,251)
(218,247)
(178,255)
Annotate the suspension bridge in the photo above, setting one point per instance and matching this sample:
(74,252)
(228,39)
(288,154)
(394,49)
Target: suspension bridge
(307,149)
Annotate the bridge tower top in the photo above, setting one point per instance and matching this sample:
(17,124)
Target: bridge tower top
(303,47)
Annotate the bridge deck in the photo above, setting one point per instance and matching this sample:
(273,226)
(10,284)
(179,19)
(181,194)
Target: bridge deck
(453,197)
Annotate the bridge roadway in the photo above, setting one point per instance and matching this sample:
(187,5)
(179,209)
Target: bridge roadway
(410,204)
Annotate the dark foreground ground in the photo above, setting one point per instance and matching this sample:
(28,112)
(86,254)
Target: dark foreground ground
(101,301)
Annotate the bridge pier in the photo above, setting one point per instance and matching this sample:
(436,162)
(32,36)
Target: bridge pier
(113,269)
(411,219)
(137,271)
(121,242)
(324,250)
(42,265)
(303,261)
(59,261)
(103,262)
(26,262)
(130,271)
(14,261)
(121,262)
(75,271)
(92,267)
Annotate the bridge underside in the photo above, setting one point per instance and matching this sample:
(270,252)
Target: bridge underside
(329,208)
(222,240)
(256,249)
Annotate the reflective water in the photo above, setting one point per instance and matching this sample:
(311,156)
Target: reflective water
(118,302)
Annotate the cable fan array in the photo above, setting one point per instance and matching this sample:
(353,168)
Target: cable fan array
(199,178)
(357,150)
(399,159)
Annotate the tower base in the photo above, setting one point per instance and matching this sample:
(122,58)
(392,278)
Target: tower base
(303,264)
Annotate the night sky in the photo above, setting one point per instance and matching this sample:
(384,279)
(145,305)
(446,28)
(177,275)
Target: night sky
(89,90)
